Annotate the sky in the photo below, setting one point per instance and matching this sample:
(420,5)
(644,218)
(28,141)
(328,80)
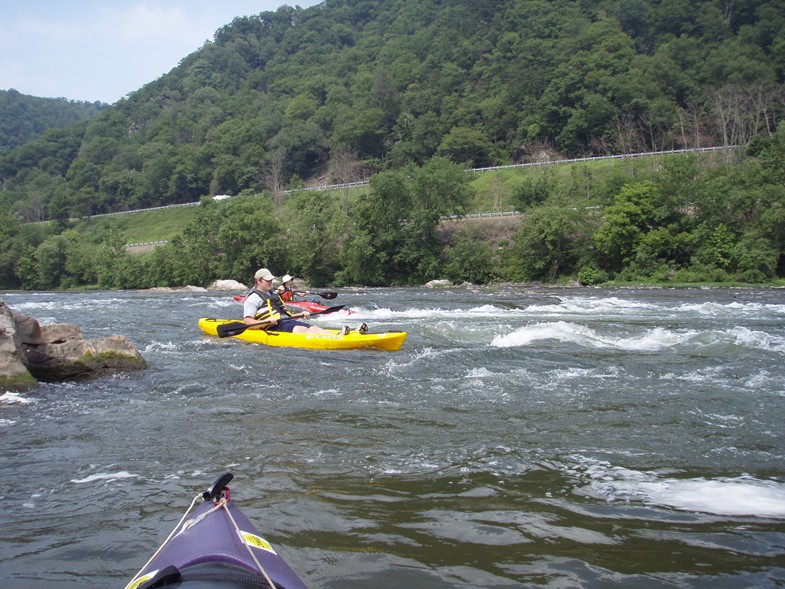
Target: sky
(102,50)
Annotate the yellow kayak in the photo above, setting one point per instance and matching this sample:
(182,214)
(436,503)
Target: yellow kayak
(335,340)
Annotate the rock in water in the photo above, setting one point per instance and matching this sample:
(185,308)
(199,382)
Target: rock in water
(30,352)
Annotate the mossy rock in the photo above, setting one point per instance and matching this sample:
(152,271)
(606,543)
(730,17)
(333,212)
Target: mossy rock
(18,383)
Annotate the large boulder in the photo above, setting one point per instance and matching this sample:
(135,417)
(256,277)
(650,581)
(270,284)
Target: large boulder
(30,352)
(14,375)
(438,284)
(228,285)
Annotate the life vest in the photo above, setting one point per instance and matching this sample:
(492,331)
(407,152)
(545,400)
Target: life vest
(272,306)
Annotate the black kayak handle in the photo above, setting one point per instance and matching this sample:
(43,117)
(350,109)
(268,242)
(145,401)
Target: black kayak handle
(214,492)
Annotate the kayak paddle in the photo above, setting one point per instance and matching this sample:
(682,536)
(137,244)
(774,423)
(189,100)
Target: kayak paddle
(237,327)
(324,295)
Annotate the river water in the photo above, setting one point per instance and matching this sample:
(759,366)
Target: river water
(521,437)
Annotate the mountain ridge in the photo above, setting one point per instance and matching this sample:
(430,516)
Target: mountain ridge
(348,88)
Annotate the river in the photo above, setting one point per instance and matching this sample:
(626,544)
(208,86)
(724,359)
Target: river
(521,437)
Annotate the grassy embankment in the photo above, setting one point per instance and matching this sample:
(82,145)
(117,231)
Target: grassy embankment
(574,184)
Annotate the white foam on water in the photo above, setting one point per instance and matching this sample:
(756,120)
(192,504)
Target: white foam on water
(579,374)
(386,313)
(488,311)
(331,392)
(652,340)
(713,309)
(105,476)
(240,367)
(563,331)
(710,374)
(478,372)
(424,355)
(722,496)
(740,496)
(11,398)
(759,380)
(559,330)
(161,347)
(746,337)
(227,302)
(614,306)
(65,304)
(718,420)
(591,306)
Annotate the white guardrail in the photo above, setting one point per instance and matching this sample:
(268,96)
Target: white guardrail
(142,243)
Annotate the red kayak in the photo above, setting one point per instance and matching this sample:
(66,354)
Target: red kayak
(309,306)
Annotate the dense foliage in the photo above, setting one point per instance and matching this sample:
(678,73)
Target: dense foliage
(413,91)
(350,87)
(681,219)
(23,118)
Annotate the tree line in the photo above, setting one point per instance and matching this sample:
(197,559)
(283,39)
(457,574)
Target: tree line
(688,218)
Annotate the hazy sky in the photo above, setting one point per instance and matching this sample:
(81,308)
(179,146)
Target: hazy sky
(104,49)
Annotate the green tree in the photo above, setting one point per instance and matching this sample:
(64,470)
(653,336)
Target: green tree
(197,251)
(550,242)
(716,247)
(770,151)
(677,181)
(660,252)
(249,238)
(468,147)
(626,220)
(109,261)
(395,239)
(80,261)
(84,175)
(152,183)
(45,267)
(755,259)
(361,130)
(315,238)
(532,192)
(469,258)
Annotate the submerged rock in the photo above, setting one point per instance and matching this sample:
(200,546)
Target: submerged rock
(31,352)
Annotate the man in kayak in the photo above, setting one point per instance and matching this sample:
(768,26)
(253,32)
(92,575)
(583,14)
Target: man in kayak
(265,304)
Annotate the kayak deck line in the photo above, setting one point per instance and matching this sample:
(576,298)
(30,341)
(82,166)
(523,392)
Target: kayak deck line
(218,544)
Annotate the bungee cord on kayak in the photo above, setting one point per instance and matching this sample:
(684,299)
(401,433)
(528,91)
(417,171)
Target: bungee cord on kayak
(206,548)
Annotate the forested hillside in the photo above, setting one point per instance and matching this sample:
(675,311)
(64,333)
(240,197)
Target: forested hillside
(350,87)
(410,92)
(23,118)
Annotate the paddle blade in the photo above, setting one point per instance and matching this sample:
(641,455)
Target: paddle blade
(230,329)
(327,295)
